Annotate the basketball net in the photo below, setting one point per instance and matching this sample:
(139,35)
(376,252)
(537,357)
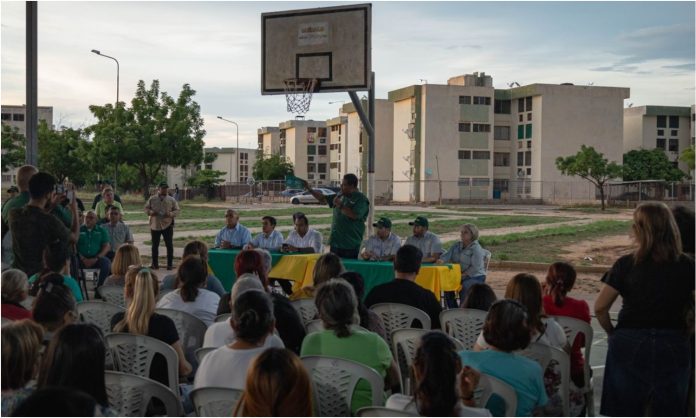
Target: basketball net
(298,93)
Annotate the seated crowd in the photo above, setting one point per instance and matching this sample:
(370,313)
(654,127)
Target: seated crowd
(260,348)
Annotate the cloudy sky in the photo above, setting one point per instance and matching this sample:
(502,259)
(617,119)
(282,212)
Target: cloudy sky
(215,47)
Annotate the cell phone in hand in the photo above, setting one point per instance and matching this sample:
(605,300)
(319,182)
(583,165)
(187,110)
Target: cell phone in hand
(70,195)
(59,189)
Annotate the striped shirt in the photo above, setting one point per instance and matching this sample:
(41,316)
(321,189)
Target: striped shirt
(381,248)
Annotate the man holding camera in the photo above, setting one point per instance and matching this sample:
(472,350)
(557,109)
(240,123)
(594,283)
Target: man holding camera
(162,209)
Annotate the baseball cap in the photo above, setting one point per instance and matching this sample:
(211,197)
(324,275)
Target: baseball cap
(421,221)
(383,223)
(12,189)
(163,185)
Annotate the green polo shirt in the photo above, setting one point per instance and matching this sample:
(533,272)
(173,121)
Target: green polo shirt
(91,242)
(346,233)
(22,199)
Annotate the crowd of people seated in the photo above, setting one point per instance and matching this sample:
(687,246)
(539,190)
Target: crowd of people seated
(258,350)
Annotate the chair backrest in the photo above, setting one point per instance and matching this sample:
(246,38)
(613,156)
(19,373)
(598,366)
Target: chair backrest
(133,354)
(201,352)
(334,381)
(223,317)
(463,324)
(399,316)
(574,328)
(306,309)
(487,258)
(404,345)
(214,401)
(489,385)
(130,394)
(544,355)
(191,330)
(379,411)
(113,294)
(98,313)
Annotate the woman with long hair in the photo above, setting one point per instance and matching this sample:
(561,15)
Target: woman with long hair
(56,259)
(75,359)
(328,266)
(140,318)
(442,386)
(338,310)
(15,289)
(253,322)
(127,255)
(54,306)
(479,296)
(277,385)
(200,249)
(21,348)
(191,296)
(648,359)
(368,319)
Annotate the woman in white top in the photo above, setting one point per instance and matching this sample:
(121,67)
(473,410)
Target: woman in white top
(253,322)
(436,369)
(190,297)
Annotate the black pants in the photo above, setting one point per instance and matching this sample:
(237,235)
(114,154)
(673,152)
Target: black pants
(345,253)
(168,235)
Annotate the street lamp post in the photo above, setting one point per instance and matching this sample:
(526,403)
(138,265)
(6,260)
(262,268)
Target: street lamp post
(118,73)
(237,129)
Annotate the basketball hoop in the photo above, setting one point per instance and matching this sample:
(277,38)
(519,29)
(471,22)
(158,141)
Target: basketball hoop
(298,93)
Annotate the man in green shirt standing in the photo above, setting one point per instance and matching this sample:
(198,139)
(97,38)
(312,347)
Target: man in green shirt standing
(350,209)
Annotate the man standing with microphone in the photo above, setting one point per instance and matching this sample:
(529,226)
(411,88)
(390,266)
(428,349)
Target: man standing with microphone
(350,209)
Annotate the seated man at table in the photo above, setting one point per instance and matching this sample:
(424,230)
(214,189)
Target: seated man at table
(384,244)
(303,239)
(404,288)
(234,235)
(93,246)
(269,239)
(424,240)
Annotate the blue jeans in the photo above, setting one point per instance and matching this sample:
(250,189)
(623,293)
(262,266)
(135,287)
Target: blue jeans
(104,266)
(646,368)
(467,282)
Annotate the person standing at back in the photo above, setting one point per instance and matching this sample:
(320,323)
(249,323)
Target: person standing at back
(350,209)
(162,209)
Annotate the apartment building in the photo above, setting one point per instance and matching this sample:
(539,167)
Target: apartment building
(337,129)
(306,144)
(669,128)
(269,140)
(14,116)
(226,162)
(468,140)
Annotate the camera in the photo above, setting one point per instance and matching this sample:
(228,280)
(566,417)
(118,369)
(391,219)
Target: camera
(60,189)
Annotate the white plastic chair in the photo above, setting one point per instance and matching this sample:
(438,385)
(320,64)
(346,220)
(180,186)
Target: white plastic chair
(399,316)
(223,317)
(306,309)
(202,352)
(574,327)
(334,381)
(98,313)
(6,321)
(544,354)
(379,411)
(91,274)
(113,294)
(488,386)
(130,394)
(464,325)
(28,302)
(487,258)
(214,401)
(133,354)
(405,342)
(191,331)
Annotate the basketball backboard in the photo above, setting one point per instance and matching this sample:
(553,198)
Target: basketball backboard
(329,44)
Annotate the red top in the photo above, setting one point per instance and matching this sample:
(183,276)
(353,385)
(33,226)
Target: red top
(14,312)
(574,308)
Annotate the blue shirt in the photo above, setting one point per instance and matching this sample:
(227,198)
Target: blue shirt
(380,248)
(470,258)
(271,243)
(523,374)
(238,236)
(429,243)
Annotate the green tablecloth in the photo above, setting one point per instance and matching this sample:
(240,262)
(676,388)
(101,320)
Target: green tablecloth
(222,263)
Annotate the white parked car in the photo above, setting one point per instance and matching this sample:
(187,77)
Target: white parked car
(307,198)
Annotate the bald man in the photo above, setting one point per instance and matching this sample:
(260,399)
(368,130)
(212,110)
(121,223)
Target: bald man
(23,175)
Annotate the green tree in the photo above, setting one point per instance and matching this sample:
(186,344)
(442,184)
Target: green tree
(14,147)
(207,179)
(273,167)
(590,165)
(651,164)
(61,153)
(687,156)
(154,132)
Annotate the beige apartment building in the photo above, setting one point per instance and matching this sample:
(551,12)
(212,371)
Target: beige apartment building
(338,150)
(669,128)
(269,140)
(14,116)
(226,161)
(467,140)
(306,145)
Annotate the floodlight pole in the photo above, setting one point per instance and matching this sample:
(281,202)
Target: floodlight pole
(368,122)
(31,109)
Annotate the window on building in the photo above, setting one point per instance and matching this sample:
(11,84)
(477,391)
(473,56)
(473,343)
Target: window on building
(528,130)
(660,132)
(529,144)
(501,106)
(310,176)
(501,185)
(322,133)
(311,149)
(674,122)
(520,105)
(520,159)
(520,131)
(321,167)
(481,127)
(333,165)
(482,100)
(312,129)
(501,133)
(529,104)
(481,155)
(6,116)
(528,158)
(662,121)
(322,140)
(310,158)
(529,116)
(529,173)
(674,133)
(463,182)
(660,143)
(501,159)
(521,118)
(674,144)
(209,166)
(464,127)
(464,155)
(322,149)
(18,117)
(311,167)
(464,99)
(480,182)
(322,176)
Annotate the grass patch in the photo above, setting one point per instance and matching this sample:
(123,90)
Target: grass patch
(588,209)
(482,222)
